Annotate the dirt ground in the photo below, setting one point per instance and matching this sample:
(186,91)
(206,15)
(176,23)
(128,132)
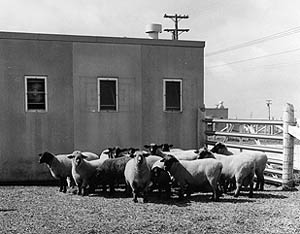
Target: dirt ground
(42,209)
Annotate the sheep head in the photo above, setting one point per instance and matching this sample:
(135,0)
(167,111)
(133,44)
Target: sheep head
(166,147)
(169,160)
(46,157)
(220,148)
(77,157)
(140,157)
(204,153)
(153,148)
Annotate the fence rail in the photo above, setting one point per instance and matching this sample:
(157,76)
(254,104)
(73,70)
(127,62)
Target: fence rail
(278,171)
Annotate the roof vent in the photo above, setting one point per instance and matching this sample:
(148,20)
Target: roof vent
(153,30)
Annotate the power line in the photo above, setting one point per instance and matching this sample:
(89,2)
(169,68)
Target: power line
(257,41)
(254,58)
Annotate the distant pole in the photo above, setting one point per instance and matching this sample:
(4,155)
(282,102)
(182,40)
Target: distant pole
(176,31)
(288,148)
(269,103)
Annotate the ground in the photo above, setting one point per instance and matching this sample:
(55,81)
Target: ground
(42,209)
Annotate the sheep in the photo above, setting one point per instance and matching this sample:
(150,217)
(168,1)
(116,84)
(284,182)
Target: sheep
(61,167)
(83,171)
(179,154)
(260,159)
(160,178)
(193,176)
(138,175)
(241,169)
(111,172)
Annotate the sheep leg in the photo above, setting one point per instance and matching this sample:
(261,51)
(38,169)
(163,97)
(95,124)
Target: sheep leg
(135,195)
(145,197)
(251,189)
(260,181)
(239,183)
(61,184)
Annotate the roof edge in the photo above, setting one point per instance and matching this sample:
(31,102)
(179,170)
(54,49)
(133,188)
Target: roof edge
(99,39)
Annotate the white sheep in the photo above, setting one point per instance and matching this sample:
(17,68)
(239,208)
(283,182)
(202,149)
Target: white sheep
(195,176)
(60,166)
(84,171)
(138,175)
(241,169)
(260,159)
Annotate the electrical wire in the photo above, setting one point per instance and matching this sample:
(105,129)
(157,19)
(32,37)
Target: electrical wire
(257,41)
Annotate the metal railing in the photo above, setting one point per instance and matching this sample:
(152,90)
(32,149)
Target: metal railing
(279,171)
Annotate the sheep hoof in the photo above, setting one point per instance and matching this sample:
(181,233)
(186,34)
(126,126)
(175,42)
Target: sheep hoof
(135,200)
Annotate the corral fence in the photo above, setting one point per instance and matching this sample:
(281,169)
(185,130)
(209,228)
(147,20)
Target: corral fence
(258,135)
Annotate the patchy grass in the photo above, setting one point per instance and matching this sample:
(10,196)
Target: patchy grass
(40,209)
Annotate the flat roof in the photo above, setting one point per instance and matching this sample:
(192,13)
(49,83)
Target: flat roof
(98,39)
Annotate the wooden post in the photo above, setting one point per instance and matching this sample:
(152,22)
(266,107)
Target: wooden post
(201,128)
(288,148)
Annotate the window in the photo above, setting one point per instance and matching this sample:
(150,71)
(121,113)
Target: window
(35,93)
(107,94)
(172,95)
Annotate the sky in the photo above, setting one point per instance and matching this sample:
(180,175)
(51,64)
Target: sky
(252,51)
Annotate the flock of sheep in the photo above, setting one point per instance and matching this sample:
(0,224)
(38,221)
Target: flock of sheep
(159,167)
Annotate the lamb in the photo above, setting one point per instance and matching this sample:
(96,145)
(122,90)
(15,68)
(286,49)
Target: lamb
(241,169)
(83,171)
(260,159)
(138,175)
(111,172)
(161,178)
(61,167)
(193,176)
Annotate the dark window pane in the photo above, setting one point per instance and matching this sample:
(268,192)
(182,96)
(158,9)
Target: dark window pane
(172,96)
(35,85)
(108,95)
(36,94)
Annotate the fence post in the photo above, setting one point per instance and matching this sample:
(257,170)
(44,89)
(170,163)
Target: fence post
(288,148)
(201,127)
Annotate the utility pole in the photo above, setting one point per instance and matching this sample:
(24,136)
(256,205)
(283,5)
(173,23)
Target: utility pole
(176,31)
(269,103)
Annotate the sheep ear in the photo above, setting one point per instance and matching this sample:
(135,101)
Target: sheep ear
(83,156)
(163,160)
(147,146)
(160,146)
(196,151)
(170,145)
(146,154)
(71,156)
(40,155)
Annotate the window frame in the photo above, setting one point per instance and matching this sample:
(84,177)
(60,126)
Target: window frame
(165,95)
(45,93)
(99,79)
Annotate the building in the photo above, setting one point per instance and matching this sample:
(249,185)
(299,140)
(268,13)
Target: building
(63,92)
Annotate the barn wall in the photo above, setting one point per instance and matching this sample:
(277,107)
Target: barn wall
(98,130)
(178,128)
(23,135)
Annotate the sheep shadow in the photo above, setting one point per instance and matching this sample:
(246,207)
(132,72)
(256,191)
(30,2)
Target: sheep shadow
(201,198)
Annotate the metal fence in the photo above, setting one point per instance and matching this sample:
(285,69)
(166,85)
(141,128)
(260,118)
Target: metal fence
(279,171)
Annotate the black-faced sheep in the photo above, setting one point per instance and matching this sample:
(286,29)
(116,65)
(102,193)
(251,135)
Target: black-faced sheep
(161,179)
(83,171)
(60,166)
(179,154)
(138,175)
(241,169)
(111,172)
(260,159)
(195,176)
